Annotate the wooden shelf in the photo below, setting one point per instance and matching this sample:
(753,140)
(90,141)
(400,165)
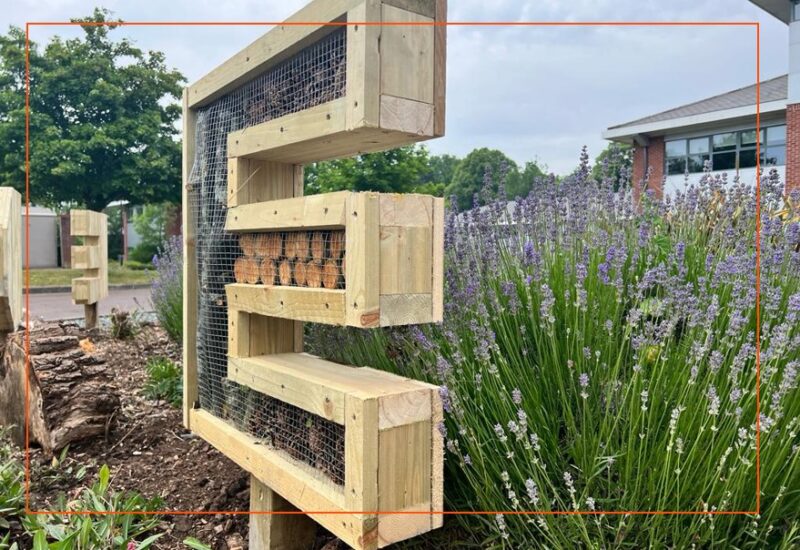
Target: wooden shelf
(91,256)
(10,260)
(393,457)
(393,258)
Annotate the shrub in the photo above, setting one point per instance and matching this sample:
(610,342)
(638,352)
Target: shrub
(128,527)
(167,289)
(138,266)
(143,253)
(164,381)
(595,358)
(124,324)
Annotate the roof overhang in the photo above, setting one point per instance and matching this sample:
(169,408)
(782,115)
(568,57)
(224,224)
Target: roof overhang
(637,132)
(782,9)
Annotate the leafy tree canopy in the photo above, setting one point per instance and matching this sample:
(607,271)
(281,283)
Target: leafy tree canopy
(103,119)
(395,171)
(613,165)
(481,173)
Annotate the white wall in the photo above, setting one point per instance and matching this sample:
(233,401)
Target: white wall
(794,63)
(44,240)
(746,175)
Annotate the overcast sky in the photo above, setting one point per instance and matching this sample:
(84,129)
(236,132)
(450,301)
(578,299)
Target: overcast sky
(534,92)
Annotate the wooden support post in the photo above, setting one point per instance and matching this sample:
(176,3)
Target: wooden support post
(92,258)
(90,315)
(277,531)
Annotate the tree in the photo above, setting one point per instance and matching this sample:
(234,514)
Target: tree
(151,225)
(103,119)
(481,171)
(394,171)
(614,164)
(521,186)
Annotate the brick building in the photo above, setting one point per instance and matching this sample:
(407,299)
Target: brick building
(720,130)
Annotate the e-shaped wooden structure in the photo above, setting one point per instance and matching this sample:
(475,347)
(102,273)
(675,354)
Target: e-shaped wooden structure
(10,261)
(358,450)
(92,257)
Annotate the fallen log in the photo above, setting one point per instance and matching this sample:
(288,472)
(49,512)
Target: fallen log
(71,394)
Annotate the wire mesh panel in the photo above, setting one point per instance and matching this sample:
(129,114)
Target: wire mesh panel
(313,76)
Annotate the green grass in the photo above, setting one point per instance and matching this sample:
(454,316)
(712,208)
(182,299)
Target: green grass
(117,275)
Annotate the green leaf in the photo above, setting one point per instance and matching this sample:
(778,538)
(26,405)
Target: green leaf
(40,541)
(148,541)
(192,542)
(105,475)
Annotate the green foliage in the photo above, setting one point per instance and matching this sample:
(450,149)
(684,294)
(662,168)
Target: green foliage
(167,290)
(103,119)
(62,468)
(88,532)
(138,266)
(114,233)
(441,169)
(192,542)
(164,381)
(596,358)
(151,225)
(613,165)
(482,172)
(12,489)
(394,171)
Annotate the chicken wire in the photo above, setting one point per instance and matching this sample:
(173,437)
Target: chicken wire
(313,76)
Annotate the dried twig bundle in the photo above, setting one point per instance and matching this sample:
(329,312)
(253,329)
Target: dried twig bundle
(267,271)
(318,245)
(314,274)
(337,244)
(245,270)
(330,274)
(247,242)
(285,272)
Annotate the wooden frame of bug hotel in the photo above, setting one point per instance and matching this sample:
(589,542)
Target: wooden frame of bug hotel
(10,262)
(92,257)
(268,259)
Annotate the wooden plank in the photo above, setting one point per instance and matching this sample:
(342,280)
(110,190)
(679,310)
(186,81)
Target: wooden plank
(405,309)
(280,43)
(406,209)
(405,266)
(437,459)
(254,180)
(439,68)
(404,408)
(277,526)
(406,115)
(361,466)
(10,260)
(407,55)
(394,528)
(90,316)
(317,375)
(363,65)
(85,223)
(437,254)
(317,305)
(299,388)
(86,257)
(85,290)
(326,119)
(300,484)
(405,466)
(324,211)
(190,275)
(362,254)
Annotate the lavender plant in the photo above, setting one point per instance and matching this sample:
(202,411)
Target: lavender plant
(595,358)
(166,292)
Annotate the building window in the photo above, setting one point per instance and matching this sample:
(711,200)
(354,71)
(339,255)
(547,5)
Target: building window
(728,151)
(795,10)
(775,151)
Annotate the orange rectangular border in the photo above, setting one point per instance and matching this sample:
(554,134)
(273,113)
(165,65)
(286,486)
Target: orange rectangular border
(752,24)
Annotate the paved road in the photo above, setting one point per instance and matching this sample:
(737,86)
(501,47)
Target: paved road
(51,307)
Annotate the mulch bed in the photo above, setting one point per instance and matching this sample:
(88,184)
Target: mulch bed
(149,451)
